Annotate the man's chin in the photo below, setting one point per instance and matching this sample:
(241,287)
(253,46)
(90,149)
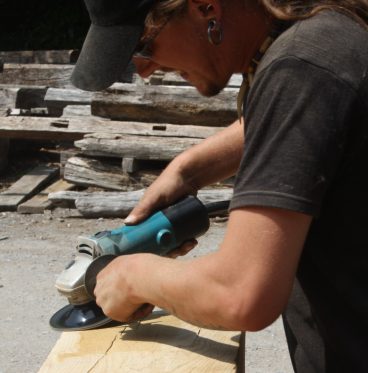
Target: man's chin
(205,89)
(209,90)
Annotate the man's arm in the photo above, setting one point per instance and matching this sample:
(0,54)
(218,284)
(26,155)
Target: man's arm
(245,285)
(214,159)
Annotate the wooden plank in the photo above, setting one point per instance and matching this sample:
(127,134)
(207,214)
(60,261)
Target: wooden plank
(161,343)
(170,78)
(138,147)
(37,74)
(54,128)
(8,97)
(33,112)
(69,56)
(71,111)
(57,99)
(26,187)
(40,202)
(93,172)
(22,97)
(166,104)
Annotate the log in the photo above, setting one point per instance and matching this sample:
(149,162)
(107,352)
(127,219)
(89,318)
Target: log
(40,202)
(69,56)
(161,343)
(26,187)
(22,97)
(93,172)
(162,104)
(57,99)
(75,128)
(138,147)
(37,74)
(119,204)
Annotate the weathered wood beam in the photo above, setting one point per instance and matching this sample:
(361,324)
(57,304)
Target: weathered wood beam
(37,74)
(75,128)
(119,204)
(26,187)
(69,56)
(31,97)
(93,172)
(22,97)
(158,344)
(57,99)
(130,165)
(166,104)
(71,111)
(33,112)
(161,78)
(138,147)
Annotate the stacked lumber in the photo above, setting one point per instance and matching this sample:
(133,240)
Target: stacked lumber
(117,140)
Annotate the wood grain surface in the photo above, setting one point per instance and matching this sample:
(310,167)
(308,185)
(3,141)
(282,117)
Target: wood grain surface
(161,343)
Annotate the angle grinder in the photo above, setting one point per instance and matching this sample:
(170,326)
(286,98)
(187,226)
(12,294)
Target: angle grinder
(161,233)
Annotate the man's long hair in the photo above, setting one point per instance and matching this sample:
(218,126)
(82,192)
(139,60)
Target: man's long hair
(288,10)
(298,9)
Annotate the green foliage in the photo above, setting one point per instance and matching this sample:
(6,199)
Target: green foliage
(42,24)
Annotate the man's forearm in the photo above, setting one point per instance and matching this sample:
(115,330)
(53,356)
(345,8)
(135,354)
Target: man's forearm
(214,159)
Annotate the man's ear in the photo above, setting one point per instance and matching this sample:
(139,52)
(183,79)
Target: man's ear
(205,9)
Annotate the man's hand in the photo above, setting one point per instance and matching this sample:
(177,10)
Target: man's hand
(113,289)
(165,190)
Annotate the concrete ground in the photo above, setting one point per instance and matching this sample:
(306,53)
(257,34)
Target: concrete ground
(33,251)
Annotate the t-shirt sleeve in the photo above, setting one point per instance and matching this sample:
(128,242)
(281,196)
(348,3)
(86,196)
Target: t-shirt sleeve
(296,119)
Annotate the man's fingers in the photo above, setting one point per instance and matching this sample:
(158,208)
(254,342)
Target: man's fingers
(139,213)
(143,311)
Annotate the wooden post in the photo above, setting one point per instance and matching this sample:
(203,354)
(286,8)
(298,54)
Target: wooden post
(129,164)
(4,149)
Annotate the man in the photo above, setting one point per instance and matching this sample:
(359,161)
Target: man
(300,196)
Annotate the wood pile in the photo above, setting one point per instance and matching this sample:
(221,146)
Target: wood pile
(117,140)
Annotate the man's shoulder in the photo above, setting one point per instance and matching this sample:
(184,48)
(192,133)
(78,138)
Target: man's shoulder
(330,40)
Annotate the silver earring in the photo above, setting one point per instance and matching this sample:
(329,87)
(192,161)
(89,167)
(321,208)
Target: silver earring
(214,32)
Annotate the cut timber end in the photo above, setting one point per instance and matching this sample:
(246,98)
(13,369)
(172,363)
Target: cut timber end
(161,343)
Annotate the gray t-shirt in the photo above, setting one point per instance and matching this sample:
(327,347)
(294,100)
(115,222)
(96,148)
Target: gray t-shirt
(306,149)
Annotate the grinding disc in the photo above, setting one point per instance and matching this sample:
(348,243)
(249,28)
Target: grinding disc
(79,317)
